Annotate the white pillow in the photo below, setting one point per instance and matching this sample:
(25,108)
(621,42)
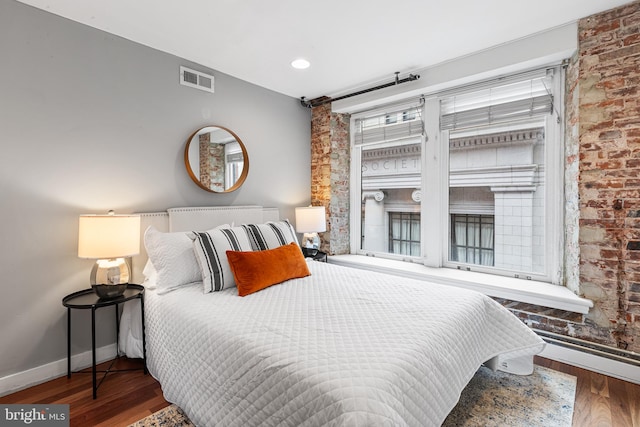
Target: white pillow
(150,275)
(172,256)
(211,249)
(270,235)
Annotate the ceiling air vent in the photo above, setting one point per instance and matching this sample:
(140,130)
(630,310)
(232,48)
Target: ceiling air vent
(196,79)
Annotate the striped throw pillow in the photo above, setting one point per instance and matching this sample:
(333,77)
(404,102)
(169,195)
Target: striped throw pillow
(211,249)
(270,235)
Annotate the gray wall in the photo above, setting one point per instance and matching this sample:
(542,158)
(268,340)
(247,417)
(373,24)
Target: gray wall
(91,122)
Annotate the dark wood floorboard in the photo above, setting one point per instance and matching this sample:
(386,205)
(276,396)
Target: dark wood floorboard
(123,397)
(126,397)
(601,401)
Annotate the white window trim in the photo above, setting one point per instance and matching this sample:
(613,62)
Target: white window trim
(554,202)
(527,291)
(435,161)
(435,214)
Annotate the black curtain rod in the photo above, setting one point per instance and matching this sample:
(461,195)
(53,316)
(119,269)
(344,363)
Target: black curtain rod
(316,102)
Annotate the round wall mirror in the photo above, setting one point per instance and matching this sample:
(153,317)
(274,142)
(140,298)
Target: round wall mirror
(216,159)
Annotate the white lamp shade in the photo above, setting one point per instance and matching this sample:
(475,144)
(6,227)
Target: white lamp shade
(310,219)
(108,236)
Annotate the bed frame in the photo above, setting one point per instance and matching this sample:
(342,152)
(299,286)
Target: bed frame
(196,219)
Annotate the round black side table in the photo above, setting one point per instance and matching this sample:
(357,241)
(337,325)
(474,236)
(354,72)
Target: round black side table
(86,299)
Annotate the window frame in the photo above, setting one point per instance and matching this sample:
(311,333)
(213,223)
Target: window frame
(435,215)
(481,220)
(411,219)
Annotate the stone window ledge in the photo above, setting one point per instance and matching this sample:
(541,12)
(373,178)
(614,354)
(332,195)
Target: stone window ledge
(527,291)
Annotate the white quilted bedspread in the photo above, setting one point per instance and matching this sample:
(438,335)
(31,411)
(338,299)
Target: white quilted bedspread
(343,347)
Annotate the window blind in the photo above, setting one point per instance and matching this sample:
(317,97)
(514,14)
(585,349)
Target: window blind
(398,122)
(497,104)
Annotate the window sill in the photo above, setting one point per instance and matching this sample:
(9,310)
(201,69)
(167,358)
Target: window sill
(528,291)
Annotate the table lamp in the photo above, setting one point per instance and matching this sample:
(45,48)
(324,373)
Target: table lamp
(310,221)
(109,239)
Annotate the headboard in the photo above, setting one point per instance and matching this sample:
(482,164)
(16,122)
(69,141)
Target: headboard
(196,219)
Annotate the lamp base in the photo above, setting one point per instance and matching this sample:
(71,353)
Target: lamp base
(109,291)
(110,277)
(311,240)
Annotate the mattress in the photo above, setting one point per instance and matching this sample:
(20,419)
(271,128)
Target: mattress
(342,347)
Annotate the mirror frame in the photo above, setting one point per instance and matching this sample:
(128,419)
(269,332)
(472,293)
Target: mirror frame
(245,157)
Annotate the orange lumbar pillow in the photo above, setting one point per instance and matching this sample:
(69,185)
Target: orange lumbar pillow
(257,270)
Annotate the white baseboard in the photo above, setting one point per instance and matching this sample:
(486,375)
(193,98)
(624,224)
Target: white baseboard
(599,364)
(21,380)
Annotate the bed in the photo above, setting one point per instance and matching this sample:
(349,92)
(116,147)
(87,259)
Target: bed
(339,347)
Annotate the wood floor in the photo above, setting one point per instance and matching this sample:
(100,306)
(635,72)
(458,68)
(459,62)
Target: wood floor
(601,401)
(124,398)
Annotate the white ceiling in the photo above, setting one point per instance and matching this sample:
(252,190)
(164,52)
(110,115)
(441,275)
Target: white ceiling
(350,43)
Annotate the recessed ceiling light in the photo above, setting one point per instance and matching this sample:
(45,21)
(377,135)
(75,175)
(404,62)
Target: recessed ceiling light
(300,63)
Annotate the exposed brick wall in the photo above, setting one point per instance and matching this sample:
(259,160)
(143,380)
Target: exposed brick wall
(321,164)
(330,157)
(204,170)
(212,163)
(340,199)
(609,173)
(543,318)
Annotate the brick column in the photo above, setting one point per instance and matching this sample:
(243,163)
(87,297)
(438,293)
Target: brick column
(203,150)
(609,173)
(330,157)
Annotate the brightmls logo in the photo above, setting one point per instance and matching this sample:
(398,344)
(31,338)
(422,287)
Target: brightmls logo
(36,415)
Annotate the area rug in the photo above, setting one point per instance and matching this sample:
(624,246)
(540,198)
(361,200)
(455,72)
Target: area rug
(544,398)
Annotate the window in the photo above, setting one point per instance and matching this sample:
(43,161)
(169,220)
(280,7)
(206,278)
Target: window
(234,165)
(488,157)
(497,143)
(472,239)
(389,161)
(404,233)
